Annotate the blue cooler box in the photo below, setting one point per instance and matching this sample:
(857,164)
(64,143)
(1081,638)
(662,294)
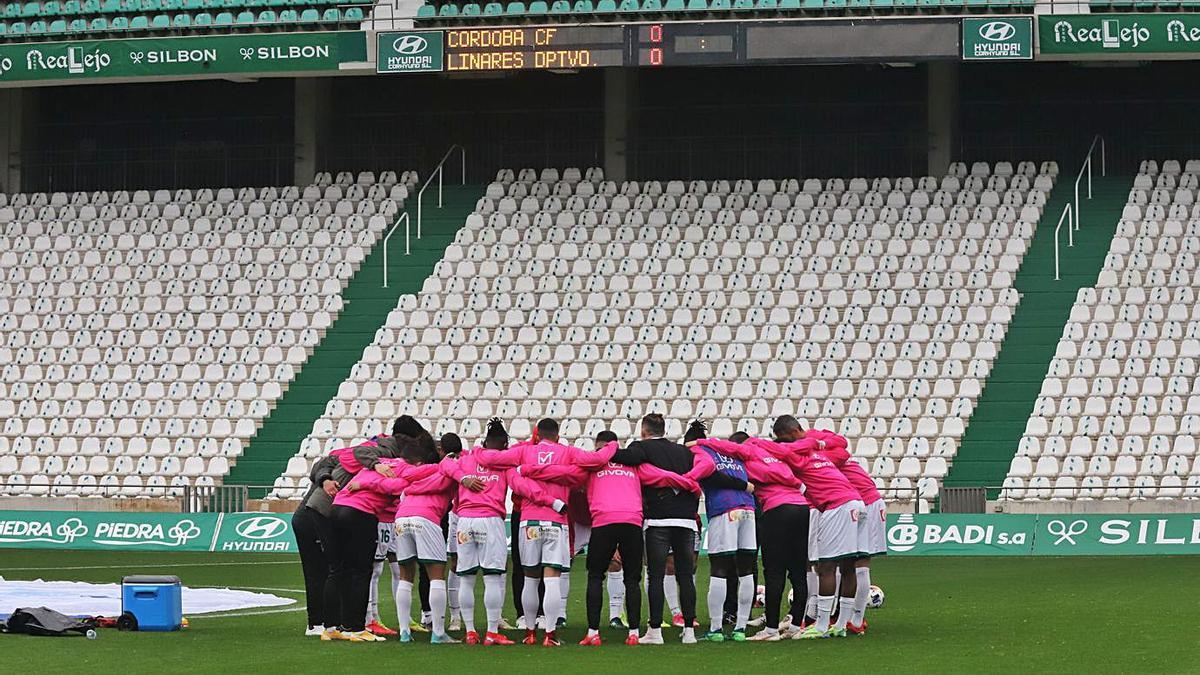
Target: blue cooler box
(156,602)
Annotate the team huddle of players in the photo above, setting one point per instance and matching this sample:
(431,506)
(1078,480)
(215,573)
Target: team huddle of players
(800,499)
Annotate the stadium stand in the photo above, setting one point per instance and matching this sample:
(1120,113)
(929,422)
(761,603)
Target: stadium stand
(102,19)
(585,11)
(146,335)
(1118,413)
(872,306)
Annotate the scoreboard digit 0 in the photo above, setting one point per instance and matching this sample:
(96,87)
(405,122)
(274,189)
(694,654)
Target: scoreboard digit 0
(686,44)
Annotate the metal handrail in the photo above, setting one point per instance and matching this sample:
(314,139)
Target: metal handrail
(438,171)
(1087,166)
(402,219)
(1066,213)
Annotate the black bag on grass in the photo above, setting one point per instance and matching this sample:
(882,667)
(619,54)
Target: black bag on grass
(45,621)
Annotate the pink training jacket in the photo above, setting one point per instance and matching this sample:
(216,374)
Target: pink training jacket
(614,491)
(428,498)
(542,452)
(774,482)
(486,504)
(858,476)
(379,495)
(825,486)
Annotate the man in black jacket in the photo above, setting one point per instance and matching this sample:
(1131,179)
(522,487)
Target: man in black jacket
(670,525)
(311,528)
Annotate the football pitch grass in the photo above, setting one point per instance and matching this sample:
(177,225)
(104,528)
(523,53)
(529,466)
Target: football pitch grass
(942,615)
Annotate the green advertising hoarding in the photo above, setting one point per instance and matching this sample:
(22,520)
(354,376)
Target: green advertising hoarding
(1123,534)
(181,56)
(112,531)
(410,52)
(997,39)
(960,534)
(1081,34)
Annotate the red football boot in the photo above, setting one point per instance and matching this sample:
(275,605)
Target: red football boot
(471,638)
(496,639)
(530,638)
(590,641)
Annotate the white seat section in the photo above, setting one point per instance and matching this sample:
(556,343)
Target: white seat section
(874,307)
(148,337)
(1121,400)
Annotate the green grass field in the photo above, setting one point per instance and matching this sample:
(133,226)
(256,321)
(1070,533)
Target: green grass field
(943,615)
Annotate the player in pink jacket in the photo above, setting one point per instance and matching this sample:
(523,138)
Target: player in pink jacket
(875,541)
(479,532)
(369,498)
(543,538)
(783,529)
(842,515)
(614,493)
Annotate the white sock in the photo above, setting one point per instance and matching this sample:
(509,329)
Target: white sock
(616,594)
(745,601)
(654,633)
(671,590)
(404,590)
(862,594)
(452,597)
(437,605)
(566,593)
(395,569)
(824,609)
(493,600)
(592,632)
(716,602)
(845,609)
(810,604)
(373,598)
(554,602)
(529,601)
(466,600)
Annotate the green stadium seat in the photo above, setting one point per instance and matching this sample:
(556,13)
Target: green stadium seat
(515,9)
(266,16)
(426,12)
(835,4)
(448,9)
(12,10)
(246,17)
(98,25)
(310,15)
(288,16)
(202,19)
(674,6)
(353,14)
(470,9)
(278,3)
(223,19)
(560,7)
(111,7)
(789,5)
(331,15)
(70,8)
(56,27)
(139,22)
(160,22)
(652,6)
(628,7)
(696,6)
(743,5)
(194,5)
(31,9)
(90,7)
(51,8)
(183,20)
(583,7)
(538,8)
(720,6)
(171,5)
(119,23)
(17,28)
(493,9)
(858,4)
(37,27)
(767,5)
(3,29)
(77,26)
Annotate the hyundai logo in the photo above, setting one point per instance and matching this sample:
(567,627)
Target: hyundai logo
(262,527)
(997,31)
(410,44)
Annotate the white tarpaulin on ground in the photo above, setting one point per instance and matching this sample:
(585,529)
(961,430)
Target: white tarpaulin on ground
(76,598)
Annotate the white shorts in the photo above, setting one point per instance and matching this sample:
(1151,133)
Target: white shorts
(544,544)
(581,536)
(732,532)
(452,536)
(482,546)
(419,538)
(385,542)
(838,531)
(876,543)
(814,517)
